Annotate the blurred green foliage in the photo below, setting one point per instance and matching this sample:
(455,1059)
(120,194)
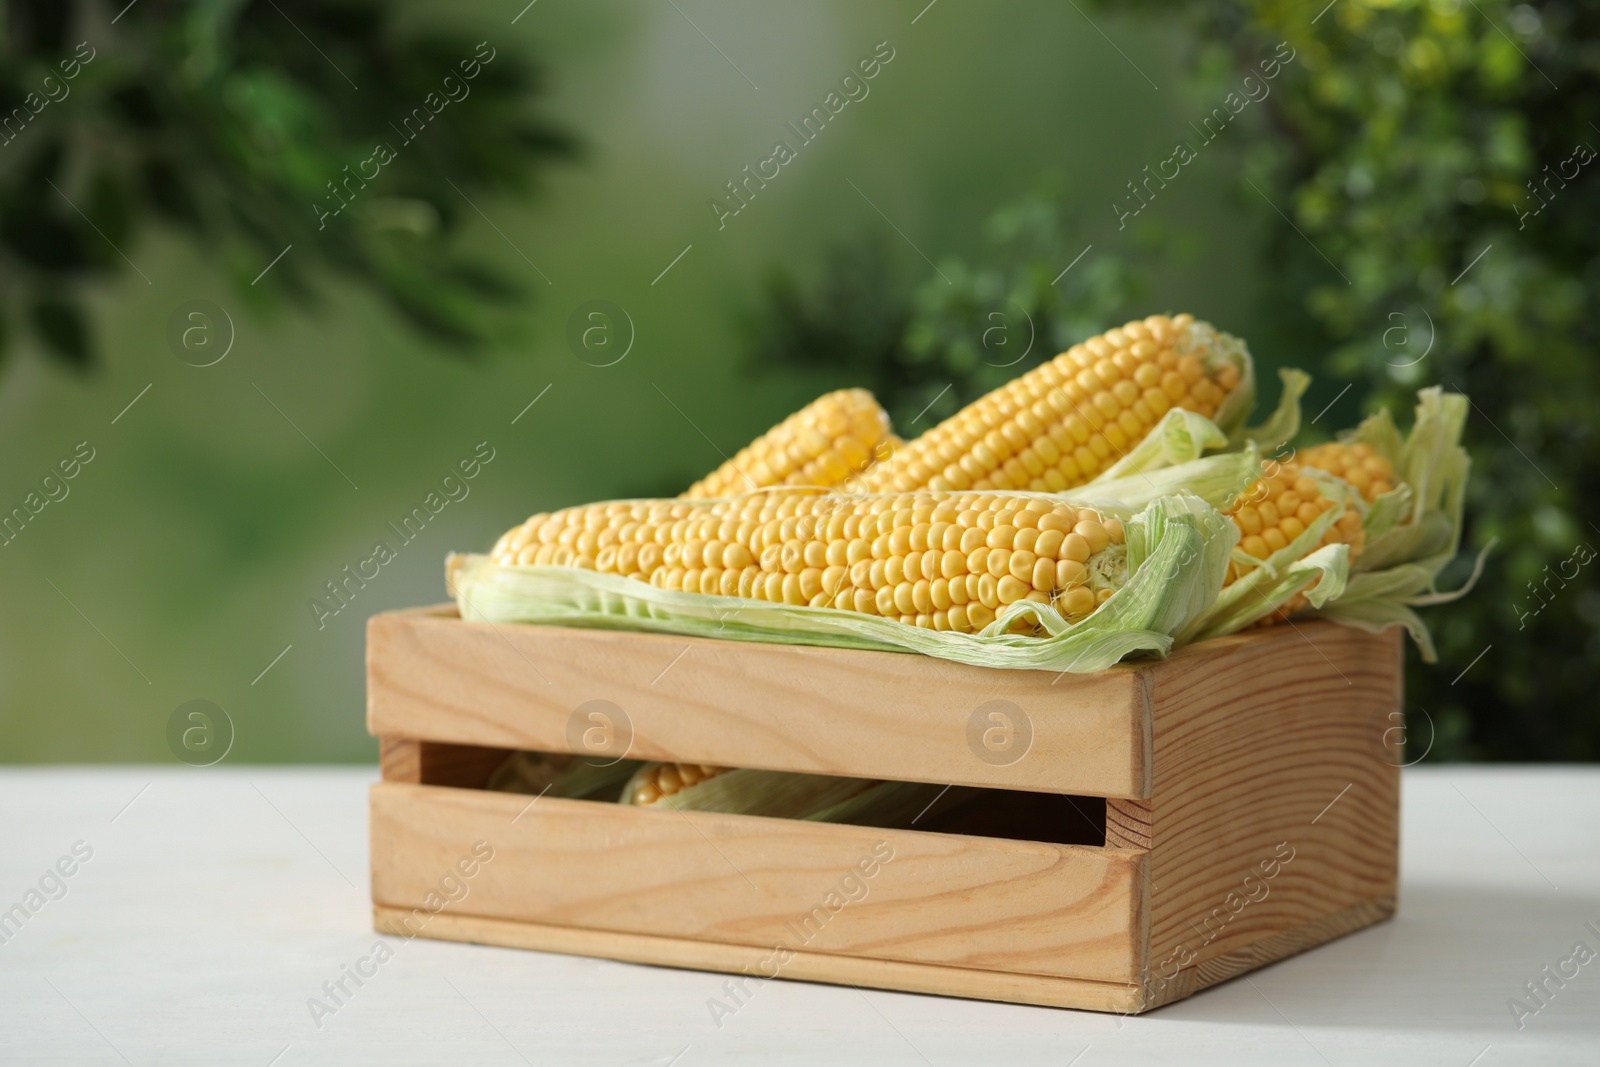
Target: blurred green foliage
(181,565)
(1431,164)
(926,349)
(246,126)
(1416,153)
(201,134)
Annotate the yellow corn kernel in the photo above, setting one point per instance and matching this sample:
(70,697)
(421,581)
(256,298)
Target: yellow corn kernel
(1089,396)
(1275,510)
(657,781)
(745,556)
(1366,472)
(824,443)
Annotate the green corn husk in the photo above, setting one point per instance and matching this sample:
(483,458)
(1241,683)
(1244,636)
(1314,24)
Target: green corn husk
(1422,523)
(559,774)
(1300,566)
(1284,422)
(1214,349)
(1175,558)
(1169,457)
(1216,479)
(1414,530)
(809,797)
(1183,437)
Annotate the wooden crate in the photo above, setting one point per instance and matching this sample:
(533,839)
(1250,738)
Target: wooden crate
(1250,792)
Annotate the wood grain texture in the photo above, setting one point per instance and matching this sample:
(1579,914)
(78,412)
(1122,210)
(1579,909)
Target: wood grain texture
(969,902)
(1269,949)
(431,676)
(806,965)
(884,974)
(1266,744)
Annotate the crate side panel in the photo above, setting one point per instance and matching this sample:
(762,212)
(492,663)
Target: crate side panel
(779,707)
(1269,949)
(1275,801)
(978,903)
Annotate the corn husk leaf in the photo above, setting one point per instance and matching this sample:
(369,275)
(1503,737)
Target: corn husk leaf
(560,774)
(1284,422)
(1376,616)
(1176,556)
(1300,566)
(1215,349)
(1320,575)
(1379,599)
(1414,531)
(1179,437)
(1215,479)
(1182,437)
(1433,466)
(810,797)
(1388,511)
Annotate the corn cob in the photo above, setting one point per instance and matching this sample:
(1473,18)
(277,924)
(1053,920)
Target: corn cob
(944,561)
(1274,511)
(837,435)
(1277,509)
(1063,423)
(1362,468)
(739,791)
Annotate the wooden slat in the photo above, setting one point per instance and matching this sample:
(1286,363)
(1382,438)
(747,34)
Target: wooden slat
(781,707)
(977,903)
(1254,737)
(805,966)
(883,974)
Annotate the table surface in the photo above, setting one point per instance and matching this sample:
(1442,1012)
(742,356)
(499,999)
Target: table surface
(213,905)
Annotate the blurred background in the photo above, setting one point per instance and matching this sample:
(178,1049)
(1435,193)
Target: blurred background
(270,271)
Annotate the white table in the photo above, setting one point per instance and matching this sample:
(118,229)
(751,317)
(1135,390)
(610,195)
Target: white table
(217,902)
